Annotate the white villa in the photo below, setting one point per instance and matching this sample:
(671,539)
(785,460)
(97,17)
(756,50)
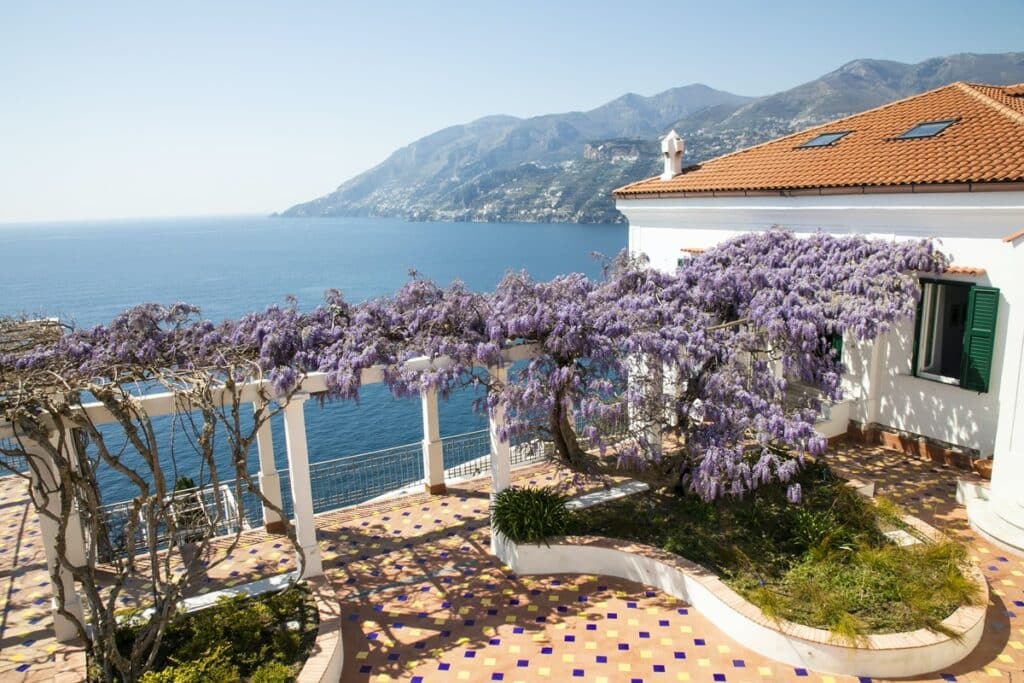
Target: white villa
(947,164)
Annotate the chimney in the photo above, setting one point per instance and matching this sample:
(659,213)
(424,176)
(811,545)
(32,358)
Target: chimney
(672,150)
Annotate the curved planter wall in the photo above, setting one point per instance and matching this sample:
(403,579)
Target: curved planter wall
(893,655)
(327,659)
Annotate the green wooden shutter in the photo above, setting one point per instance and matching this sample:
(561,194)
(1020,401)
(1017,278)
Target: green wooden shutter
(979,338)
(836,342)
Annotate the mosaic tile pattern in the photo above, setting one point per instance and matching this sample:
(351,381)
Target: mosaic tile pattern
(423,600)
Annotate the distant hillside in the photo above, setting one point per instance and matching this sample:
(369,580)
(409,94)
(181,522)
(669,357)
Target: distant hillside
(561,167)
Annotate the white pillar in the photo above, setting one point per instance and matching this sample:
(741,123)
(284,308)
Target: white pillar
(63,628)
(270,482)
(74,536)
(302,489)
(501,451)
(433,456)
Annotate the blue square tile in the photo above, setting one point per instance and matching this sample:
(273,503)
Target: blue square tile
(577,673)
(699,642)
(800,672)
(719,677)
(679,655)
(602,659)
(497,676)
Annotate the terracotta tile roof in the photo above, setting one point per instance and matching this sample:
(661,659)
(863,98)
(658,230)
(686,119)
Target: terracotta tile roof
(984,145)
(965,270)
(693,250)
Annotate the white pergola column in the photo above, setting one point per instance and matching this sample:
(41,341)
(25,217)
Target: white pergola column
(74,535)
(433,456)
(501,451)
(501,455)
(302,489)
(270,481)
(63,627)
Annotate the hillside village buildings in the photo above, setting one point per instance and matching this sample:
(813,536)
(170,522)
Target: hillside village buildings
(947,164)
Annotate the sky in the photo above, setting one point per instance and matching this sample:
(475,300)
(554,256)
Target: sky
(170,109)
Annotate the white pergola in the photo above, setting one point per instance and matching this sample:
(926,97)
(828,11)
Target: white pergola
(298,468)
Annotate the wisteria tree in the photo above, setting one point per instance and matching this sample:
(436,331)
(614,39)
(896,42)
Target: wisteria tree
(774,301)
(149,549)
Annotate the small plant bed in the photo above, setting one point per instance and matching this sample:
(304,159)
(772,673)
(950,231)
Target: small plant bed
(265,639)
(824,562)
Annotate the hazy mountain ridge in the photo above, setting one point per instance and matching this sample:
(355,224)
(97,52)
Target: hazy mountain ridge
(551,168)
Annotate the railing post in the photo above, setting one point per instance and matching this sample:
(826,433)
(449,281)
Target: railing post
(44,493)
(433,454)
(302,486)
(270,481)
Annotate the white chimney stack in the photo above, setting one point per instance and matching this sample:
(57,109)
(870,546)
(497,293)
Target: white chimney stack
(672,151)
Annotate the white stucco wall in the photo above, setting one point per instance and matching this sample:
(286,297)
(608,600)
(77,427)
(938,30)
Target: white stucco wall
(970,228)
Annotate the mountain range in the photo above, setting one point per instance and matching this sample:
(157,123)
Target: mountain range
(562,167)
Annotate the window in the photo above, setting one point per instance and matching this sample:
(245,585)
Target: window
(927,129)
(825,139)
(955,333)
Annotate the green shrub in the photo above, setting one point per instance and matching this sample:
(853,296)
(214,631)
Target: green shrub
(213,667)
(252,638)
(527,515)
(272,672)
(824,562)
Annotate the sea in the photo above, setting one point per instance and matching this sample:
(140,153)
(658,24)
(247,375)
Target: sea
(87,272)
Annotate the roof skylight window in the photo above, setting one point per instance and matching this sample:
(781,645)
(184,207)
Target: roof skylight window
(927,129)
(826,139)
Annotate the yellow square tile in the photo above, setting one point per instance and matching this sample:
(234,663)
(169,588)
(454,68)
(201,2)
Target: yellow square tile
(682,676)
(625,667)
(704,662)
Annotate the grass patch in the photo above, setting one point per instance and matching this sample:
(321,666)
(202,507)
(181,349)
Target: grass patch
(825,562)
(261,640)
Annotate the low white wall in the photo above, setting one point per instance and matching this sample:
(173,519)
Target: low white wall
(896,655)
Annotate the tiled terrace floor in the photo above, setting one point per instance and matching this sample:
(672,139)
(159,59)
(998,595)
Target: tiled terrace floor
(423,600)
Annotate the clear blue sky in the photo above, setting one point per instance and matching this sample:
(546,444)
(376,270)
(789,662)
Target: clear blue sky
(216,107)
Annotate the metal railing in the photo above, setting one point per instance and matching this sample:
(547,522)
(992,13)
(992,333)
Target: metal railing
(357,478)
(469,455)
(200,512)
(466,455)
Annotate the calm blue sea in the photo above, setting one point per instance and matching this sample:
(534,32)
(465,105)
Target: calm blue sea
(89,271)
